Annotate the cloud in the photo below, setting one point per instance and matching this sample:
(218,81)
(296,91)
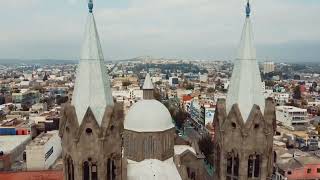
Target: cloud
(170,28)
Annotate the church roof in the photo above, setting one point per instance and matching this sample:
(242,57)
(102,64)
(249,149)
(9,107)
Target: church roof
(92,86)
(147,83)
(153,169)
(246,86)
(148,116)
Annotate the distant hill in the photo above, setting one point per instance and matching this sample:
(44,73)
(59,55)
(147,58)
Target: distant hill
(36,61)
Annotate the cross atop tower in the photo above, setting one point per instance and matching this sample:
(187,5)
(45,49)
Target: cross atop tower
(248,9)
(90,6)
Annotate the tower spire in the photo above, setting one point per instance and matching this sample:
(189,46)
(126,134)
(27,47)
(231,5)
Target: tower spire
(90,6)
(92,87)
(246,86)
(148,88)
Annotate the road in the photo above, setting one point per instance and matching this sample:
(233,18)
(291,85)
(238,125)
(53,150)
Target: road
(190,132)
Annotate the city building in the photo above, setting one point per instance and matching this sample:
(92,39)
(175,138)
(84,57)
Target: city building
(295,165)
(43,151)
(11,150)
(173,81)
(268,67)
(292,117)
(281,99)
(244,122)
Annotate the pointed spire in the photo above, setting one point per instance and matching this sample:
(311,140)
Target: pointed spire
(148,88)
(92,86)
(147,85)
(246,86)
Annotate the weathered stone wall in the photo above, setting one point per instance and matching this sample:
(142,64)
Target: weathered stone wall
(90,142)
(244,138)
(149,145)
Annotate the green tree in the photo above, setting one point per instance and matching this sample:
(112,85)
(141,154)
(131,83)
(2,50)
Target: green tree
(206,147)
(297,92)
(157,96)
(210,90)
(180,118)
(126,83)
(190,87)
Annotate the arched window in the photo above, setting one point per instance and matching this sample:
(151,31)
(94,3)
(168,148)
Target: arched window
(86,171)
(94,171)
(254,166)
(232,166)
(70,168)
(111,169)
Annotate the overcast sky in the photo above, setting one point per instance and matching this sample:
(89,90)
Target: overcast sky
(287,30)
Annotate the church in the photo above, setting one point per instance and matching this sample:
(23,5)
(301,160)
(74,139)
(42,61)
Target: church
(245,121)
(99,143)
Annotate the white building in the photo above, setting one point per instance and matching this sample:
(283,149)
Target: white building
(203,77)
(292,117)
(43,151)
(281,98)
(173,81)
(268,67)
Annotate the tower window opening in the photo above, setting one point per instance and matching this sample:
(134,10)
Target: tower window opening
(234,125)
(86,171)
(232,167)
(70,169)
(254,166)
(94,172)
(89,131)
(111,169)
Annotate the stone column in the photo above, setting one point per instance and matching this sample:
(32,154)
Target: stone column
(243,166)
(65,169)
(102,170)
(78,170)
(264,167)
(223,164)
(117,161)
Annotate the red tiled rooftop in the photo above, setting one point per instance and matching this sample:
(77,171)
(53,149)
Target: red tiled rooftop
(29,175)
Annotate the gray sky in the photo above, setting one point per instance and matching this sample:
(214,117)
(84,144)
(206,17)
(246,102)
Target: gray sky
(287,30)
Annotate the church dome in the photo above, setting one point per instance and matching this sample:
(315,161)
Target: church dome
(148,116)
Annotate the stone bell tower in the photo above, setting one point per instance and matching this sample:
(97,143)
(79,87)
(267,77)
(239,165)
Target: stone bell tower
(244,123)
(91,125)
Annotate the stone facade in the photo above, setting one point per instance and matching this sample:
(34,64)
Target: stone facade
(149,145)
(148,94)
(91,151)
(244,149)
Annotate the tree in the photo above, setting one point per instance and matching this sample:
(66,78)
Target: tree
(190,87)
(61,99)
(206,147)
(314,85)
(210,90)
(157,95)
(158,83)
(126,83)
(296,77)
(297,92)
(180,118)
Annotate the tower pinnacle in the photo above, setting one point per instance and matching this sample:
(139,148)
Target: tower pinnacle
(90,6)
(248,9)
